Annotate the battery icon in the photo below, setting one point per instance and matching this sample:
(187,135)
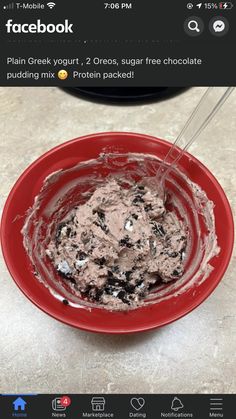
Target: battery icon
(226,5)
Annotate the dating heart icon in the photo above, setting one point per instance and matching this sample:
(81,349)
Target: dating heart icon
(137,403)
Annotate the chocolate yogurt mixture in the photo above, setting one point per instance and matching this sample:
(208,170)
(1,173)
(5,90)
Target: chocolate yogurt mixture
(119,245)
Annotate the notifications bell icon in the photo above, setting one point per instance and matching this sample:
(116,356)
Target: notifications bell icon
(176,404)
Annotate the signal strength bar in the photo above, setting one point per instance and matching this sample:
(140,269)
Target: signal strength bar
(9,6)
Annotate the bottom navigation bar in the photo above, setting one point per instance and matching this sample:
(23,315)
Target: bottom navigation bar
(123,406)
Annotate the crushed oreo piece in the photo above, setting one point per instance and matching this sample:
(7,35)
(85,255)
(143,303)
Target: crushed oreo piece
(87,290)
(112,280)
(153,247)
(129,288)
(126,299)
(64,268)
(138,200)
(129,225)
(125,242)
(173,254)
(121,295)
(101,215)
(82,259)
(127,275)
(148,207)
(138,244)
(101,221)
(84,237)
(68,277)
(109,289)
(104,228)
(115,280)
(175,273)
(100,261)
(96,296)
(68,231)
(82,255)
(158,230)
(80,263)
(115,269)
(58,232)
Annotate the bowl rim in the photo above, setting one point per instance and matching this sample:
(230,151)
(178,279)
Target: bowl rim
(62,317)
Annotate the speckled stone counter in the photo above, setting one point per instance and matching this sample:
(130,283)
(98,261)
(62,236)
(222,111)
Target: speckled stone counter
(39,354)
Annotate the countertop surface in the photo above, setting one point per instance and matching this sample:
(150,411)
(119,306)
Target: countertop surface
(196,354)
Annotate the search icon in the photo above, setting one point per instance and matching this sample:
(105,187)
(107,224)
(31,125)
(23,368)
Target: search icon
(193,26)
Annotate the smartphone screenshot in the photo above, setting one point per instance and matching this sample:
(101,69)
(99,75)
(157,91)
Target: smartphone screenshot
(118,184)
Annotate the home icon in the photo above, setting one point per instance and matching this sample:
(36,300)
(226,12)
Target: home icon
(19,404)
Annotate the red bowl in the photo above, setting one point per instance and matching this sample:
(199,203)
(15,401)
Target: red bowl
(68,154)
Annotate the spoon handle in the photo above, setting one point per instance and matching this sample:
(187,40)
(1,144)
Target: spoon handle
(210,103)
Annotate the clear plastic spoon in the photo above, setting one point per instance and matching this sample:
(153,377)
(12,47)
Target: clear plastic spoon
(210,103)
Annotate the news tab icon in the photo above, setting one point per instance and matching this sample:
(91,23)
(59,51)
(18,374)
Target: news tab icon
(57,405)
(9,6)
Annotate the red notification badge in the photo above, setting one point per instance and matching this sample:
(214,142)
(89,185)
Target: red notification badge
(65,401)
